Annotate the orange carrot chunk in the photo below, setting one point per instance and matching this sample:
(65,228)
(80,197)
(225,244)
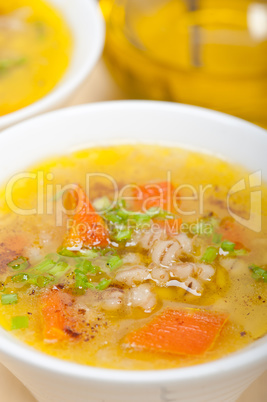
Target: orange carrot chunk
(150,195)
(233,232)
(53,314)
(181,332)
(88,229)
(60,320)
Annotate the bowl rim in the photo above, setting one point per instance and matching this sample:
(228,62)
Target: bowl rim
(64,88)
(11,347)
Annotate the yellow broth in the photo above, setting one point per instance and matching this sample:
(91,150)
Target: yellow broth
(35,51)
(232,291)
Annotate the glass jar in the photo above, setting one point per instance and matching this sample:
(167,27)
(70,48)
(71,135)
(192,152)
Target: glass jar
(210,53)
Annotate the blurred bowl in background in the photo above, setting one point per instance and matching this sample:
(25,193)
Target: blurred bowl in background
(87,27)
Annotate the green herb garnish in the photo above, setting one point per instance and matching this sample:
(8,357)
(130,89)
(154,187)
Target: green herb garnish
(44,266)
(81,280)
(102,204)
(23,277)
(122,213)
(50,270)
(86,267)
(153,211)
(88,253)
(19,322)
(59,269)
(141,218)
(121,221)
(103,284)
(19,263)
(210,254)
(38,280)
(156,212)
(113,217)
(227,245)
(258,273)
(125,234)
(42,281)
(67,253)
(114,262)
(9,299)
(217,238)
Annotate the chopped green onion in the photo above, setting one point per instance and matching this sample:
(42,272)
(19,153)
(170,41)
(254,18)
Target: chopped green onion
(153,211)
(240,252)
(123,214)
(45,265)
(156,212)
(23,277)
(114,262)
(59,269)
(19,263)
(123,235)
(88,253)
(38,280)
(210,254)
(106,250)
(66,253)
(53,256)
(86,266)
(122,203)
(9,299)
(50,269)
(217,238)
(81,280)
(41,281)
(113,217)
(141,218)
(81,253)
(19,322)
(258,273)
(228,245)
(165,215)
(102,203)
(103,284)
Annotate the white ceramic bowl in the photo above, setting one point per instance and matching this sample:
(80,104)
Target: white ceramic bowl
(53,380)
(88,29)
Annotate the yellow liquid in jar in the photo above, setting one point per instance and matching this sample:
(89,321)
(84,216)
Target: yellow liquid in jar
(201,52)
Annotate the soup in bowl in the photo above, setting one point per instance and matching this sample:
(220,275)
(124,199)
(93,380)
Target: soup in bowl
(46,51)
(133,253)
